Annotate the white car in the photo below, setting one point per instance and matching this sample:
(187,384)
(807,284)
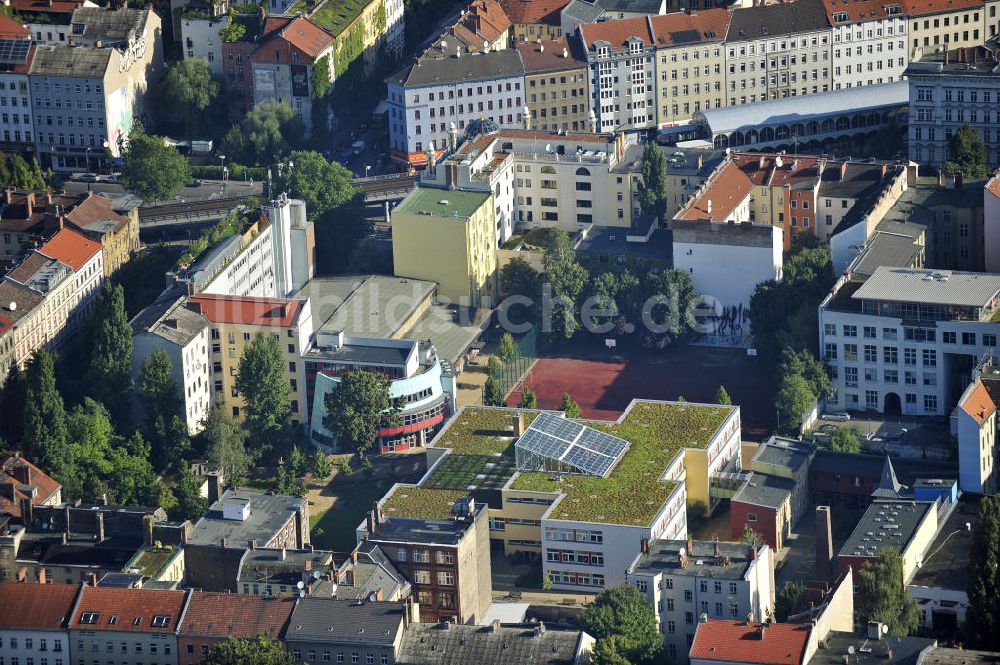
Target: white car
(841,416)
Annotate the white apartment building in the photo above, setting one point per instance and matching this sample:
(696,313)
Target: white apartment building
(991,223)
(546,179)
(685,580)
(16,133)
(621,56)
(184,335)
(84,257)
(242,265)
(776,51)
(199,34)
(293,245)
(32,626)
(897,342)
(427,97)
(974,425)
(949,90)
(869,42)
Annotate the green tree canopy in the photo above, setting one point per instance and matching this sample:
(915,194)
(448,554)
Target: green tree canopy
(623,616)
(17,173)
(786,599)
(845,440)
(163,404)
(518,278)
(982,618)
(110,369)
(795,398)
(153,170)
(333,201)
(493,394)
(191,505)
(967,152)
(241,651)
(225,446)
(653,188)
(568,279)
(189,87)
(268,132)
(44,413)
(234,30)
(882,595)
(321,77)
(529,400)
(569,407)
(722,397)
(261,381)
(508,348)
(358,407)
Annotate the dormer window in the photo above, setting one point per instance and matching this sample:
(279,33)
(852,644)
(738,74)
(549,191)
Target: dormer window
(840,17)
(634,45)
(161,621)
(893,9)
(90,617)
(113,620)
(137,621)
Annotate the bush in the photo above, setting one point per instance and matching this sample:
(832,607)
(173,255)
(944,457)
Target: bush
(236,172)
(344,467)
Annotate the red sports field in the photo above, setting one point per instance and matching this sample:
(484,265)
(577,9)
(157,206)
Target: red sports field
(603,388)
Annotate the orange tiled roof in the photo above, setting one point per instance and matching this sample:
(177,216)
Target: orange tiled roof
(710,24)
(11,29)
(127,610)
(36,606)
(94,209)
(235,615)
(280,312)
(978,404)
(794,168)
(781,644)
(859,10)
(725,190)
(927,7)
(47,6)
(71,247)
(618,32)
(527,12)
(18,471)
(297,33)
(993,185)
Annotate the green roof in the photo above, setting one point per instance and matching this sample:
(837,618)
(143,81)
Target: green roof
(151,561)
(631,494)
(421,502)
(336,15)
(482,430)
(472,472)
(443,202)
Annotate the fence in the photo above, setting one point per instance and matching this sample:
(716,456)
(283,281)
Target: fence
(512,372)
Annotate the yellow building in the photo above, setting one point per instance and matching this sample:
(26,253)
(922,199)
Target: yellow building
(555,84)
(933,27)
(235,322)
(118,230)
(449,237)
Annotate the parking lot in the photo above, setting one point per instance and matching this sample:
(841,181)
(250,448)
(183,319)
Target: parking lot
(922,438)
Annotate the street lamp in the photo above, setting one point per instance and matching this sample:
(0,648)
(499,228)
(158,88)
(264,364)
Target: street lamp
(368,168)
(223,159)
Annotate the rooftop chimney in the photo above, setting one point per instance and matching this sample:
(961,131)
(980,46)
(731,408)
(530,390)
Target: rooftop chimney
(93,579)
(42,578)
(824,543)
(252,544)
(644,545)
(147,522)
(518,422)
(100,526)
(495,626)
(21,472)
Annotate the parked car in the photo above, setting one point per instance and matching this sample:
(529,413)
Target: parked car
(357,148)
(840,416)
(88,177)
(114,178)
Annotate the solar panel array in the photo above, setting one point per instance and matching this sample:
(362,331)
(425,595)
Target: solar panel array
(589,450)
(14,51)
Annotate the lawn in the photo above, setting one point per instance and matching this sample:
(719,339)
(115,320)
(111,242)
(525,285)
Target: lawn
(336,15)
(334,529)
(421,502)
(481,431)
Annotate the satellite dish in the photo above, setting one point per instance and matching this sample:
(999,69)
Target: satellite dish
(302,593)
(682,552)
(885,629)
(300,584)
(316,575)
(850,650)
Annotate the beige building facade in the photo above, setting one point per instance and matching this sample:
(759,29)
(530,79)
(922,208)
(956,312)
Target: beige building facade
(690,75)
(555,85)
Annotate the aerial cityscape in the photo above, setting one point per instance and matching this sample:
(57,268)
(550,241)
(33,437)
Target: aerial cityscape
(500,332)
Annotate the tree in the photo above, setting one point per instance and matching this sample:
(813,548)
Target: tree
(557,246)
(110,370)
(845,440)
(882,595)
(508,348)
(153,171)
(358,407)
(163,404)
(493,393)
(234,30)
(268,132)
(321,466)
(243,651)
(722,397)
(494,369)
(982,618)
(297,463)
(12,398)
(806,365)
(44,413)
(518,278)
(568,280)
(967,152)
(569,407)
(795,398)
(225,445)
(622,616)
(190,503)
(529,400)
(336,204)
(261,381)
(786,599)
(751,536)
(189,87)
(653,188)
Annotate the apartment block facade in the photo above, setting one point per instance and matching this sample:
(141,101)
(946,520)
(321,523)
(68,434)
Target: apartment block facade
(690,71)
(869,42)
(621,56)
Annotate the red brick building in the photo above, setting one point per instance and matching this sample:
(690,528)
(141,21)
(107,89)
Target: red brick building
(212,618)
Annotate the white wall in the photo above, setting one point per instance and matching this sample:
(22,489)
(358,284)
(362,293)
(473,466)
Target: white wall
(200,40)
(869,53)
(44,645)
(249,273)
(191,371)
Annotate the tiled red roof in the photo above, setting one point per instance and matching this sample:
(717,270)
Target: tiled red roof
(993,185)
(763,168)
(978,403)
(127,610)
(71,247)
(927,7)
(710,24)
(618,32)
(94,209)
(280,312)
(27,268)
(724,191)
(527,12)
(47,6)
(18,471)
(736,641)
(547,55)
(298,33)
(38,606)
(11,29)
(235,615)
(859,10)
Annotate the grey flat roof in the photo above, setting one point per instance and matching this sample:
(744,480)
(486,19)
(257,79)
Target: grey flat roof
(664,557)
(948,565)
(875,530)
(945,656)
(891,651)
(107,25)
(360,354)
(451,329)
(345,621)
(435,644)
(768,21)
(268,514)
(418,530)
(763,489)
(969,289)
(469,67)
(167,317)
(781,452)
(810,107)
(267,565)
(75,61)
(364,305)
(893,245)
(583,11)
(612,240)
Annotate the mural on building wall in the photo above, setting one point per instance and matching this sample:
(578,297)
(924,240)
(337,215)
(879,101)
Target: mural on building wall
(120,118)
(300,81)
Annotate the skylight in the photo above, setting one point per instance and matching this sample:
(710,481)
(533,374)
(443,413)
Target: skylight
(557,444)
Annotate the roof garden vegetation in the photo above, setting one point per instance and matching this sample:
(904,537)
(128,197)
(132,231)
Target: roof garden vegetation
(481,431)
(657,431)
(336,15)
(151,561)
(422,502)
(472,472)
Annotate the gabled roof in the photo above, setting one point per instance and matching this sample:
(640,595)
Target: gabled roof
(46,6)
(684,28)
(71,247)
(724,191)
(993,185)
(551,55)
(765,21)
(94,210)
(345,621)
(235,615)
(128,610)
(860,10)
(977,403)
(435,644)
(777,644)
(11,29)
(297,33)
(617,33)
(528,12)
(22,475)
(36,606)
(914,8)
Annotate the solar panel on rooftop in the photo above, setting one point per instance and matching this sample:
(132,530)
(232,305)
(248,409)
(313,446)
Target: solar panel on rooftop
(14,51)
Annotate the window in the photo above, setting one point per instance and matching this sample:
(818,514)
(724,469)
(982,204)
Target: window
(851,352)
(949,337)
(890,355)
(989,340)
(850,331)
(969,338)
(930,358)
(871,353)
(830,330)
(751,517)
(930,403)
(909,356)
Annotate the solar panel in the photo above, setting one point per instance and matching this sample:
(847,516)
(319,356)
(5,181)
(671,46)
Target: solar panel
(14,51)
(561,428)
(603,443)
(560,440)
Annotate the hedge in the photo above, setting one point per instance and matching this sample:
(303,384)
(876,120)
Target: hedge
(236,172)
